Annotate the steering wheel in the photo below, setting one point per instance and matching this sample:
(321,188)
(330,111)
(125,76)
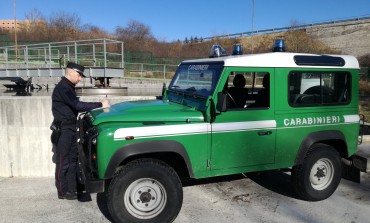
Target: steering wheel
(233,103)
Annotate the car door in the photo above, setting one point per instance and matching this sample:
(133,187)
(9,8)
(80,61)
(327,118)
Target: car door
(244,137)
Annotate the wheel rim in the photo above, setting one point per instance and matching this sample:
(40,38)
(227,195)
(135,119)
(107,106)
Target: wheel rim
(145,198)
(322,174)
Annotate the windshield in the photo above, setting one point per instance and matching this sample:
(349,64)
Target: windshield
(196,79)
(194,83)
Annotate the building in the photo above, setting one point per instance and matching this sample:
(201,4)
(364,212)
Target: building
(9,24)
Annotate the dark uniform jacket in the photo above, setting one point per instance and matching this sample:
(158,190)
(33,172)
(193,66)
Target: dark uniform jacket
(66,105)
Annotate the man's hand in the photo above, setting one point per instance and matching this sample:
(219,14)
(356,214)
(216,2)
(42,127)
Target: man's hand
(105,103)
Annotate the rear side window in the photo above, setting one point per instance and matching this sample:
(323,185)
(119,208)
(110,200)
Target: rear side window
(319,88)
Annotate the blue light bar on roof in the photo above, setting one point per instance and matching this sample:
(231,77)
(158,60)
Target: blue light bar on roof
(279,45)
(217,51)
(237,49)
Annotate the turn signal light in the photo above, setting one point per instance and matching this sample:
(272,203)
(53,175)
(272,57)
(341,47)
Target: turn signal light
(129,137)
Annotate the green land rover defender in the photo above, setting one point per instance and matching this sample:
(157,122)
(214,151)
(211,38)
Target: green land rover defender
(221,116)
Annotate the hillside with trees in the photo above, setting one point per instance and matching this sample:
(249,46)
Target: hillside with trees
(137,37)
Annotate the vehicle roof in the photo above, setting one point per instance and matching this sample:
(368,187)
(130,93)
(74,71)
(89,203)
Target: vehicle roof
(275,59)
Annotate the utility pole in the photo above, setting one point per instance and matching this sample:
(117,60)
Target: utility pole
(252,24)
(15,30)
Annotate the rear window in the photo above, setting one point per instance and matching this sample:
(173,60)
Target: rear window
(319,88)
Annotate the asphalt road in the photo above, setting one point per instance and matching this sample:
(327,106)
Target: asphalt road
(265,197)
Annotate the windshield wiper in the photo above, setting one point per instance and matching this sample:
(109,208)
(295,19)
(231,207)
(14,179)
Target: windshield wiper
(176,91)
(192,89)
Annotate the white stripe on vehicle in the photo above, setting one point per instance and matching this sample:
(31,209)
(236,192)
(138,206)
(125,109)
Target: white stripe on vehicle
(161,130)
(351,118)
(243,126)
(203,128)
(187,129)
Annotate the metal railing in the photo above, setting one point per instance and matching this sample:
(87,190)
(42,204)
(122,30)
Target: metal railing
(91,53)
(102,57)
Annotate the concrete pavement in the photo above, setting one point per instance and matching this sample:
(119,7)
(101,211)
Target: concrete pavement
(265,197)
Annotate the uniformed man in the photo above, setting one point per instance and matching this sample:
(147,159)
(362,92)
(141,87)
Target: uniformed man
(65,107)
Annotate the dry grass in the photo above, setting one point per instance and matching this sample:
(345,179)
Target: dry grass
(364,87)
(364,109)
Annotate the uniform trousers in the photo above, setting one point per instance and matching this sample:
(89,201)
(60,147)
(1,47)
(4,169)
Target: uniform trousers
(66,162)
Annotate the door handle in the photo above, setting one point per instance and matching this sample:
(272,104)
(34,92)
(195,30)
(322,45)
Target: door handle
(264,133)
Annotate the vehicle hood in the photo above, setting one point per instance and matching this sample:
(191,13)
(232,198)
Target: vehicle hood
(146,111)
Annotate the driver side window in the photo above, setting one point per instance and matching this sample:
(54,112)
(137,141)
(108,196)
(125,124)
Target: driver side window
(248,90)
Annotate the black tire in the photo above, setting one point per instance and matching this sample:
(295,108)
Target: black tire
(145,190)
(319,175)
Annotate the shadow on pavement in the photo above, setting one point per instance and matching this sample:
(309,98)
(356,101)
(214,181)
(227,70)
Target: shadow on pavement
(276,181)
(193,182)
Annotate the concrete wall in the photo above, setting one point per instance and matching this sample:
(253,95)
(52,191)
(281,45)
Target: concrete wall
(25,147)
(351,37)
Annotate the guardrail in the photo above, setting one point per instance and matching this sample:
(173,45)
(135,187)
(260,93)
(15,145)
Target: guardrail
(288,28)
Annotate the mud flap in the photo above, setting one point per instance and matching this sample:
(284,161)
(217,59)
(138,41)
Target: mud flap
(95,186)
(351,173)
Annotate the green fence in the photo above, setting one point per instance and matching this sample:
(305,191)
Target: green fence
(149,58)
(146,65)
(145,70)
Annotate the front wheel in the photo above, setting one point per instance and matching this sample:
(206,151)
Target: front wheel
(145,190)
(319,175)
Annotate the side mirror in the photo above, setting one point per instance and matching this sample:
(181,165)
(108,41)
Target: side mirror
(162,96)
(163,89)
(221,102)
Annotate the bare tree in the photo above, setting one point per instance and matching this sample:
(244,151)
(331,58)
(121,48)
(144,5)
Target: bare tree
(92,32)
(136,35)
(136,30)
(364,60)
(64,26)
(34,15)
(35,28)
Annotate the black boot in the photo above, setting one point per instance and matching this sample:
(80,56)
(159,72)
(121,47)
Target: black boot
(68,196)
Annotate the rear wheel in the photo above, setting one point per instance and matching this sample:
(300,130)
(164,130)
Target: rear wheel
(319,175)
(145,190)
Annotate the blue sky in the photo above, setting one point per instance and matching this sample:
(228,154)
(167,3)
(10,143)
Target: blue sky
(170,20)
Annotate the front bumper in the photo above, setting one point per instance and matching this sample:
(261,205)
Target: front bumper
(91,185)
(87,174)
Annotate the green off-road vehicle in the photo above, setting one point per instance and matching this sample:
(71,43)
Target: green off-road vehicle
(221,116)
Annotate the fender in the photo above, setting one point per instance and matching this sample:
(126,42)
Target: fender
(317,137)
(156,146)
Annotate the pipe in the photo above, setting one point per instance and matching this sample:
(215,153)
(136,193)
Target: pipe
(347,162)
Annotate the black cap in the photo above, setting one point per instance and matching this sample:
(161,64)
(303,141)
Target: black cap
(76,67)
